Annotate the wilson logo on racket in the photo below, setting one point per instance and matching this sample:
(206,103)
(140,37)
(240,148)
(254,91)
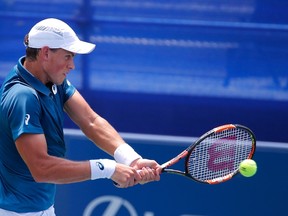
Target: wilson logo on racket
(100,165)
(222,153)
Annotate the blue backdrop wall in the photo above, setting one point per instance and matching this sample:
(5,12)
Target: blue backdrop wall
(171,67)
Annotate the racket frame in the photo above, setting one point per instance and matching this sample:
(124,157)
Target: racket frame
(186,153)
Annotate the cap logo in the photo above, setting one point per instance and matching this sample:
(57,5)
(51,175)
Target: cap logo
(49,29)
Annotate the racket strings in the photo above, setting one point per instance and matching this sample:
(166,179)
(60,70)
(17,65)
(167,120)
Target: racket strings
(219,154)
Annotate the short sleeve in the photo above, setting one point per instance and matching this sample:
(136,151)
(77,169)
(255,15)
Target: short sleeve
(68,90)
(23,110)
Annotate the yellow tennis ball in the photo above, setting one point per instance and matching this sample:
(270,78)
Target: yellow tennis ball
(248,167)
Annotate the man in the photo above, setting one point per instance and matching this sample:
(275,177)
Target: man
(34,97)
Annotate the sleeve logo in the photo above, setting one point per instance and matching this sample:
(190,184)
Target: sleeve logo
(27,118)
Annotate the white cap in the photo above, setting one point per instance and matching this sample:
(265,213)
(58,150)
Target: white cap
(55,33)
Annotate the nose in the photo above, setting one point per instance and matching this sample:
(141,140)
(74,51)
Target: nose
(71,64)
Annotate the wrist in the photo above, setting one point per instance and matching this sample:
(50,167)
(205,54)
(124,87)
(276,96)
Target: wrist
(102,168)
(125,154)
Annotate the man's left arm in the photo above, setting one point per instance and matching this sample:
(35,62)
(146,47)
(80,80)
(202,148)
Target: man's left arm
(103,134)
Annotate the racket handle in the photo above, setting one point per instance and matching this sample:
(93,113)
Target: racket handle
(115,184)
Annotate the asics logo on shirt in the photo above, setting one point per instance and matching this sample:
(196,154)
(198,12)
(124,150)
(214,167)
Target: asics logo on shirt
(54,89)
(27,118)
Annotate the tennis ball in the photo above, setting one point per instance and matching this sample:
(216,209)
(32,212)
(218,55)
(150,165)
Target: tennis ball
(248,167)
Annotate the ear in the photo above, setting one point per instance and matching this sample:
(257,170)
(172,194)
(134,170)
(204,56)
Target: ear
(44,53)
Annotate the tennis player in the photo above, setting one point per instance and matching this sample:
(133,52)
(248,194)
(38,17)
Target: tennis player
(34,97)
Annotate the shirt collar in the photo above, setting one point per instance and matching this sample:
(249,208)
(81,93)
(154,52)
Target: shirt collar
(30,79)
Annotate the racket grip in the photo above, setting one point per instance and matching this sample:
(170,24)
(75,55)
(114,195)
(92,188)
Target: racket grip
(115,184)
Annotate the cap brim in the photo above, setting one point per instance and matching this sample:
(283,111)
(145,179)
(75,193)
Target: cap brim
(79,47)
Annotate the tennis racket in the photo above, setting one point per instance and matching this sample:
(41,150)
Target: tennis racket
(215,157)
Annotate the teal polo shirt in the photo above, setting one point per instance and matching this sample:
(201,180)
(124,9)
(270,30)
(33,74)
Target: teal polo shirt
(29,106)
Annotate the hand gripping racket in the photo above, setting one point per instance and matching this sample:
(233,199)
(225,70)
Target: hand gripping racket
(215,157)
